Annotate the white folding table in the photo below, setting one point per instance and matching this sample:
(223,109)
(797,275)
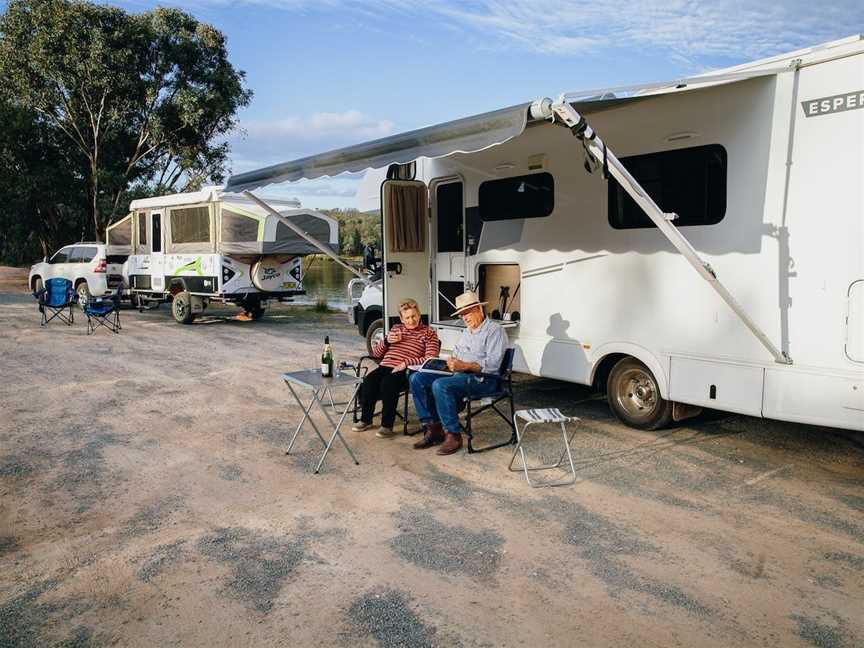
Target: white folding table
(313,380)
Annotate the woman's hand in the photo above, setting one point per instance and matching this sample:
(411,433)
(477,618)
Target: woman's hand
(400,367)
(394,336)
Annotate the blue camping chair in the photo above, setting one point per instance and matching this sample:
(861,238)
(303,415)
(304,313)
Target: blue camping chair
(104,311)
(490,401)
(56,299)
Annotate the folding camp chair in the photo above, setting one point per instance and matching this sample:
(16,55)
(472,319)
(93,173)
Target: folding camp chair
(361,372)
(56,299)
(504,393)
(104,311)
(549,416)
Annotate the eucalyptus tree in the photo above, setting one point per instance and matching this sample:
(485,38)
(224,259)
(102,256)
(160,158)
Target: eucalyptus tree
(144,98)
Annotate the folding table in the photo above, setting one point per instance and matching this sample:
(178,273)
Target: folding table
(312,379)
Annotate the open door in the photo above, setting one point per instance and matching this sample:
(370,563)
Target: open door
(406,249)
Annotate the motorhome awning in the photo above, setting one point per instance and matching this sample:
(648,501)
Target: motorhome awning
(467,135)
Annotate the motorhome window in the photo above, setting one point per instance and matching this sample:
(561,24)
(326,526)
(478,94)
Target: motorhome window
(190,225)
(142,229)
(237,228)
(530,196)
(448,207)
(156,219)
(406,206)
(690,182)
(121,233)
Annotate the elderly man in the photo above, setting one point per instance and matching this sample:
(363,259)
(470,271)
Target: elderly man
(437,398)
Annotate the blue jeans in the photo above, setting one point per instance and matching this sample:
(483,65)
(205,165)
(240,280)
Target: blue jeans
(439,398)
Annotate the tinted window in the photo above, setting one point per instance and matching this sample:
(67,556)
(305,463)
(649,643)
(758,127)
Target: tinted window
(85,254)
(142,229)
(689,182)
(531,196)
(62,256)
(190,225)
(156,219)
(448,204)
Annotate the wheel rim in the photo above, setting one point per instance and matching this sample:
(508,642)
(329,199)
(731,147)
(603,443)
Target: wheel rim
(636,393)
(377,335)
(179,308)
(83,295)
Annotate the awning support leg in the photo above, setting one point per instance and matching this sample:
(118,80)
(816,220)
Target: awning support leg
(565,113)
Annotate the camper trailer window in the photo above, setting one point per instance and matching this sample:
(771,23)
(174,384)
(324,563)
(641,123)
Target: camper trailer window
(405,207)
(190,225)
(237,228)
(142,229)
(690,182)
(121,234)
(530,196)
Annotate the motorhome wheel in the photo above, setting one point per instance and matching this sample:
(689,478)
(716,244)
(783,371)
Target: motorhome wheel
(374,334)
(181,308)
(634,396)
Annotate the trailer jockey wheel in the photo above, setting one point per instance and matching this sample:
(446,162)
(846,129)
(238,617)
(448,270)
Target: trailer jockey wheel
(252,305)
(181,307)
(634,396)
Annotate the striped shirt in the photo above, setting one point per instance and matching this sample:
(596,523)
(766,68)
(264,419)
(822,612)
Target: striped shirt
(416,346)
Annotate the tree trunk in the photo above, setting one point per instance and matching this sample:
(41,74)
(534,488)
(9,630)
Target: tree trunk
(94,188)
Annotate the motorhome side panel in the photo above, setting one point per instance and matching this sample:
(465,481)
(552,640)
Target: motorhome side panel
(822,243)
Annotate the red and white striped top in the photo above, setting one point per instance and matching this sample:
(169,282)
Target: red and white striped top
(416,346)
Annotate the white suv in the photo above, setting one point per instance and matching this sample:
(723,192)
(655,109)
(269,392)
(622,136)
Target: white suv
(84,264)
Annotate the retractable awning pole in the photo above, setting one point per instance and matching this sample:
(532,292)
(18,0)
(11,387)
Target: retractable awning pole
(568,116)
(309,239)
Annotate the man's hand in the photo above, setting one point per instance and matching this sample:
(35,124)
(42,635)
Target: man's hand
(455,365)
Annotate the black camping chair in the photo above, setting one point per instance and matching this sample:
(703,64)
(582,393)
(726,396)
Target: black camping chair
(56,299)
(360,369)
(104,311)
(504,393)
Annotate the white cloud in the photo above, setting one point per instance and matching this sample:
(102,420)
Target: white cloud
(348,125)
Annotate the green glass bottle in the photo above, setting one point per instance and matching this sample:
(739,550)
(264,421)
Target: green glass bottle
(327,359)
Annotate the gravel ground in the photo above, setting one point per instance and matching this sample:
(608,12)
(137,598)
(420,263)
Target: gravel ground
(146,500)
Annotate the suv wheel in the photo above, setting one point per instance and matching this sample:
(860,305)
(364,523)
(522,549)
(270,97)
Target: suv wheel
(374,334)
(83,291)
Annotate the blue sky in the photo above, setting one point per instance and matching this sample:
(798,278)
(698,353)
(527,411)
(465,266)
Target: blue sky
(330,73)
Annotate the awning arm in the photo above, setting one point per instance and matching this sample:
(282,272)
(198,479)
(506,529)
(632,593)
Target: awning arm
(309,239)
(563,112)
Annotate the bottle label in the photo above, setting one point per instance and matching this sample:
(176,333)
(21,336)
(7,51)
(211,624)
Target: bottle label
(325,369)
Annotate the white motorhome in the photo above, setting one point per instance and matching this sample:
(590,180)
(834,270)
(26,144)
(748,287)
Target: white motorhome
(194,248)
(699,243)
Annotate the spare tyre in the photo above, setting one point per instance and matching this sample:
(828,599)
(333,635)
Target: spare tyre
(271,274)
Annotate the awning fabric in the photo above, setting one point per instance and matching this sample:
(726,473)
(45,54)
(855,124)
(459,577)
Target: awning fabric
(467,135)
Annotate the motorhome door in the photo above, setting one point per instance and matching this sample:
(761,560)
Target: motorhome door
(406,249)
(157,255)
(448,234)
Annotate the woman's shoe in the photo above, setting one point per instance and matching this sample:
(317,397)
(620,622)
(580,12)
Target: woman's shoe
(359,426)
(385,432)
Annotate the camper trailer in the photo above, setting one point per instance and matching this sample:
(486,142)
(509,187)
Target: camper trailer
(194,248)
(680,245)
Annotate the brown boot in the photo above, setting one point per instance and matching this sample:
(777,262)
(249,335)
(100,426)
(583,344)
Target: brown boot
(452,443)
(433,434)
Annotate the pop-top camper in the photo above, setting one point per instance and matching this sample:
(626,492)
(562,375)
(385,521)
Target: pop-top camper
(194,248)
(696,243)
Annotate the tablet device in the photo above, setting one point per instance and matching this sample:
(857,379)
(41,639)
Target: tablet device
(435,365)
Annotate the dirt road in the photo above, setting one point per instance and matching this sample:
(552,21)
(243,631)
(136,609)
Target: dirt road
(147,501)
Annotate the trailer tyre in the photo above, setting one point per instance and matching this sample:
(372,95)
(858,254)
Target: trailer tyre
(181,307)
(374,334)
(634,396)
(254,308)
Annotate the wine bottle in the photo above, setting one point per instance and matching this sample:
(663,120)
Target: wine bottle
(327,359)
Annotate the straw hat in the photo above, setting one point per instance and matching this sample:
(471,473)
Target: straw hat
(467,300)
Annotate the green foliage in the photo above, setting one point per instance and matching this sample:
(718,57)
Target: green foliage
(128,100)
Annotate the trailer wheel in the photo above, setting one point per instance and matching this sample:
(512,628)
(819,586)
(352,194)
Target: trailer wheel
(254,308)
(634,396)
(374,334)
(181,307)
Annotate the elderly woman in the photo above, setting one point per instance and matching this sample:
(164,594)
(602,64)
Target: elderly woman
(408,343)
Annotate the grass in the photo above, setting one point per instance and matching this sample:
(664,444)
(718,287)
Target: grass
(321,306)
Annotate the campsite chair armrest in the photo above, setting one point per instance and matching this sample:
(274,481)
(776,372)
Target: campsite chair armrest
(496,376)
(38,293)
